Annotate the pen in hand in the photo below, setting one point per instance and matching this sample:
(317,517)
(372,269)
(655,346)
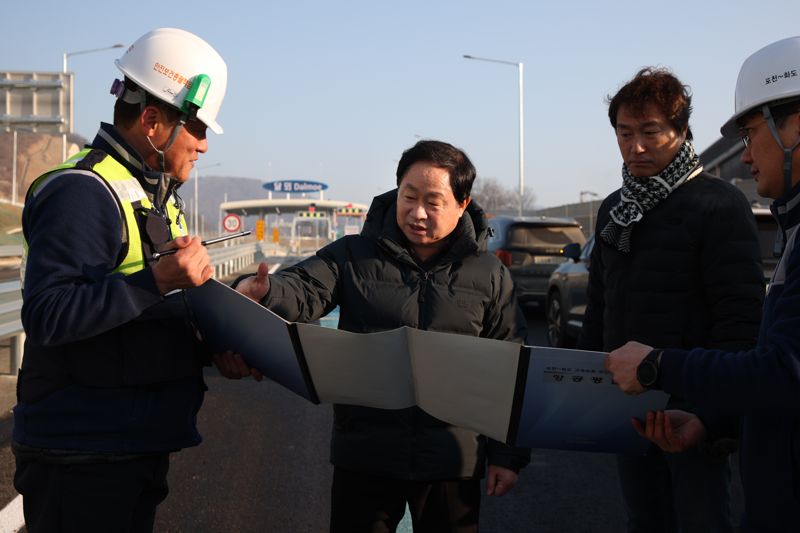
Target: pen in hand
(215,240)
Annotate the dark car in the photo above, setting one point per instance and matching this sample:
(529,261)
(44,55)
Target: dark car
(532,248)
(767,231)
(566,294)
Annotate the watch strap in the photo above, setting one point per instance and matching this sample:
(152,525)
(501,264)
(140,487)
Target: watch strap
(653,361)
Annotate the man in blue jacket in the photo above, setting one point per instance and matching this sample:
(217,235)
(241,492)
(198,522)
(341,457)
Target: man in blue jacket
(112,380)
(761,386)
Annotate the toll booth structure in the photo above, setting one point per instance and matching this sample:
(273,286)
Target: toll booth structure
(299,225)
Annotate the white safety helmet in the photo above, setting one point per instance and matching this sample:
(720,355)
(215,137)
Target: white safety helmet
(166,63)
(770,75)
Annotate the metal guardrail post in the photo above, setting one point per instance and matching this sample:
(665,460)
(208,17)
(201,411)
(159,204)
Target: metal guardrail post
(231,259)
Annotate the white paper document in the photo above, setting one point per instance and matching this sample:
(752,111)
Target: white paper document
(522,395)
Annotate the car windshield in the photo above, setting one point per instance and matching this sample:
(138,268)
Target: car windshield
(531,236)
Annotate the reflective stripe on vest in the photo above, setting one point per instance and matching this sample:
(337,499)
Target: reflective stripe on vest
(126,191)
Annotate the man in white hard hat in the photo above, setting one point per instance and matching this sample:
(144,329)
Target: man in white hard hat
(111,380)
(761,386)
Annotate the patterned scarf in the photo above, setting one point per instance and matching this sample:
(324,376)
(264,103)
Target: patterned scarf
(639,195)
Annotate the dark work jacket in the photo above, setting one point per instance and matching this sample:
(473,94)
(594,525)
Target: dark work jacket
(379,286)
(693,276)
(110,365)
(762,388)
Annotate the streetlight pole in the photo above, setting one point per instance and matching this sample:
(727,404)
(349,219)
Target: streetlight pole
(520,68)
(591,195)
(72,91)
(196,214)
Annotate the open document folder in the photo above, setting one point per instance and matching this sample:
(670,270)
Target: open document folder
(522,395)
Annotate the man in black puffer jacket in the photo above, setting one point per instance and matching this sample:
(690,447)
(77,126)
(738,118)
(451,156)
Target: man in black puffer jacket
(677,263)
(420,261)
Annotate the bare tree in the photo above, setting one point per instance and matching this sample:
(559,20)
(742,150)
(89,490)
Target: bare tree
(495,198)
(491,195)
(528,199)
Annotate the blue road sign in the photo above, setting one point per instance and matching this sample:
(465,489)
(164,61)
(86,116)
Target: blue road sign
(295,186)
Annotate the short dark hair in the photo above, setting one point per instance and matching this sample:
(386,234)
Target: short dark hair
(657,86)
(443,155)
(125,114)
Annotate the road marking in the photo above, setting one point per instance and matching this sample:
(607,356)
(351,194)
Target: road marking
(405,524)
(11,517)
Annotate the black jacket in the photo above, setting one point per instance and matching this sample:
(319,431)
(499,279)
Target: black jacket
(693,277)
(378,286)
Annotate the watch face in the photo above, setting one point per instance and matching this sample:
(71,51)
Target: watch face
(646,373)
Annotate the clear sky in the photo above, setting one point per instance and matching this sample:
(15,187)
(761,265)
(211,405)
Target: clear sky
(335,91)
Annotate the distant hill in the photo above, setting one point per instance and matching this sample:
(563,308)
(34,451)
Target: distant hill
(37,152)
(211,191)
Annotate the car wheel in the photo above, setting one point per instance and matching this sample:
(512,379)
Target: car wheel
(556,332)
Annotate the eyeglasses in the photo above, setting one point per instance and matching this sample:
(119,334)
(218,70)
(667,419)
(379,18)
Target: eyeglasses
(744,133)
(745,137)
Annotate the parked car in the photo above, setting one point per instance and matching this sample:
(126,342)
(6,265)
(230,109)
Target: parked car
(531,248)
(566,296)
(566,293)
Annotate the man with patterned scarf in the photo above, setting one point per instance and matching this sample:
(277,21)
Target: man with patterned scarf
(677,263)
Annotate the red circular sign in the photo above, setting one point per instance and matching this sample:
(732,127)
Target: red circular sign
(232,223)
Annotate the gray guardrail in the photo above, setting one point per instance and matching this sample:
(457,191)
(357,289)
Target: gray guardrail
(230,259)
(11,250)
(226,260)
(10,321)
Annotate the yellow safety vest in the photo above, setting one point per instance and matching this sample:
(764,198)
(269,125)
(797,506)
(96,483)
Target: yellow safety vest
(128,191)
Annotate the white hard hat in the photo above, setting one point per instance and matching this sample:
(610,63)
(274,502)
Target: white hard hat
(165,62)
(769,75)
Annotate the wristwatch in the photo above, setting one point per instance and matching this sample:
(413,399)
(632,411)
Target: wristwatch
(647,371)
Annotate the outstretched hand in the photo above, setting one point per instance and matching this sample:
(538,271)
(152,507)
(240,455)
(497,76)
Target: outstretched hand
(232,366)
(499,480)
(256,287)
(673,431)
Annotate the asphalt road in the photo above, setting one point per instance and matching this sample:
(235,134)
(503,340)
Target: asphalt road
(264,468)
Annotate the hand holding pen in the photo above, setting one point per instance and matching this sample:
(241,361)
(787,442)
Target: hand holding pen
(190,266)
(215,240)
(186,264)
